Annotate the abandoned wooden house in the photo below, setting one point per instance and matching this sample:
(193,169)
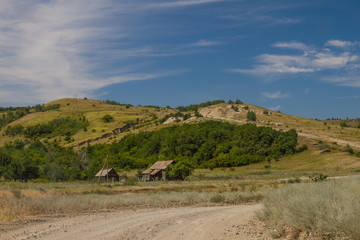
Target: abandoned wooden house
(107,174)
(157,171)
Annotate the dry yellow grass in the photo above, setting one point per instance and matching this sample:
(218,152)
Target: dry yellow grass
(22,200)
(330,207)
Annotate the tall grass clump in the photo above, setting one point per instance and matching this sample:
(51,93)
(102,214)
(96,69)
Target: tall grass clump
(331,207)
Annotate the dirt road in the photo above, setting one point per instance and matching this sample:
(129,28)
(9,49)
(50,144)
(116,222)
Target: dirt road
(222,222)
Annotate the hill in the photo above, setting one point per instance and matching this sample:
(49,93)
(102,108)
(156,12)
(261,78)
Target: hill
(140,118)
(76,123)
(93,111)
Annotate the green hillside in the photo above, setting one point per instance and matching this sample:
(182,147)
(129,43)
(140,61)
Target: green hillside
(45,139)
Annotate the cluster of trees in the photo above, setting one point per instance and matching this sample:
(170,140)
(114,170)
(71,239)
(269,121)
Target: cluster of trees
(112,102)
(195,107)
(38,160)
(204,145)
(43,108)
(57,127)
(11,114)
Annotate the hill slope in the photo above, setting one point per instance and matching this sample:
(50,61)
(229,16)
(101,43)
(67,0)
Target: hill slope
(128,118)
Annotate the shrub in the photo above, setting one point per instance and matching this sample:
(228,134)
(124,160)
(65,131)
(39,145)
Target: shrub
(317,177)
(16,192)
(218,198)
(235,108)
(343,124)
(180,170)
(302,148)
(349,150)
(107,118)
(251,116)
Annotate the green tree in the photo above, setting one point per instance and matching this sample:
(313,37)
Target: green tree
(251,116)
(107,118)
(180,170)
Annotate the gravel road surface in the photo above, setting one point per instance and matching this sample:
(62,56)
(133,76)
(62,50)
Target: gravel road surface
(219,222)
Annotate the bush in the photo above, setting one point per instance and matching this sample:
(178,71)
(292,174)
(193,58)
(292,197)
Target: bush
(180,170)
(218,198)
(107,118)
(343,124)
(349,150)
(302,148)
(318,177)
(235,108)
(251,116)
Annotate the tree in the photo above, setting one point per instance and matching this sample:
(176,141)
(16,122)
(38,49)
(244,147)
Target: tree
(180,170)
(107,118)
(251,116)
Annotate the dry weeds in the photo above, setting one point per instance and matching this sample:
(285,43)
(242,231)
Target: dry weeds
(331,208)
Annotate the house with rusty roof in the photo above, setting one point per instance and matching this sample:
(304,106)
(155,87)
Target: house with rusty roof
(157,171)
(107,174)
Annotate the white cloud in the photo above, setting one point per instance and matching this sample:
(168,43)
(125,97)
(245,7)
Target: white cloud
(59,48)
(266,14)
(275,95)
(343,65)
(349,97)
(276,108)
(206,43)
(332,61)
(185,3)
(350,81)
(340,43)
(291,45)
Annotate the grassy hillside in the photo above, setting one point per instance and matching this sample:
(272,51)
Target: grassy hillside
(93,111)
(317,135)
(328,131)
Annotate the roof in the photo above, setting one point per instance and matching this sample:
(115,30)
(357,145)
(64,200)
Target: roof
(105,172)
(159,165)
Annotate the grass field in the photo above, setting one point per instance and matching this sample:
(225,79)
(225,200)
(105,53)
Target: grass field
(22,200)
(329,209)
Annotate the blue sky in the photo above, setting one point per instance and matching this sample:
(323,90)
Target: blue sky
(299,57)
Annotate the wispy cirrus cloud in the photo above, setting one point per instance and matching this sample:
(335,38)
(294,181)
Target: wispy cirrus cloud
(54,49)
(340,43)
(349,81)
(266,14)
(207,43)
(343,65)
(291,45)
(275,95)
(184,3)
(276,108)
